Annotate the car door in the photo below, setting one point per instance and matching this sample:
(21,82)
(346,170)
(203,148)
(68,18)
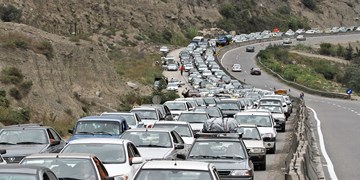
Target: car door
(132,152)
(58,143)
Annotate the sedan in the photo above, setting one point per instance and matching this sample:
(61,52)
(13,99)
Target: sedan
(300,38)
(255,71)
(119,156)
(172,67)
(250,48)
(172,87)
(156,143)
(236,68)
(28,172)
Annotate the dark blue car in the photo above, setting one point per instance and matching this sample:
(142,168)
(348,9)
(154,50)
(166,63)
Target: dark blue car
(99,127)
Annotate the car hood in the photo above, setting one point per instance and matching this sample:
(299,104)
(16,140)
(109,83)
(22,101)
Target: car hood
(23,149)
(278,116)
(188,140)
(226,164)
(117,169)
(82,136)
(264,130)
(197,126)
(154,153)
(253,143)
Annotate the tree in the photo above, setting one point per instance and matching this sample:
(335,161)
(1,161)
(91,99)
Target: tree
(349,52)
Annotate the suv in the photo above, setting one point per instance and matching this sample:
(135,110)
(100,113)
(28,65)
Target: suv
(22,140)
(149,115)
(99,126)
(254,145)
(227,151)
(176,170)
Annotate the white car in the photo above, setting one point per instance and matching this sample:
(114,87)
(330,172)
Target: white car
(287,41)
(2,161)
(164,49)
(290,32)
(132,119)
(119,156)
(172,87)
(183,128)
(300,38)
(157,170)
(176,107)
(172,67)
(254,144)
(310,31)
(236,68)
(300,31)
(195,119)
(265,124)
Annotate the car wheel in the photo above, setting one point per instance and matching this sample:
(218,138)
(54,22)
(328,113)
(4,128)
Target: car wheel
(272,150)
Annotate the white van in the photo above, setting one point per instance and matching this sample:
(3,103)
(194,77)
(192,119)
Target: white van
(197,39)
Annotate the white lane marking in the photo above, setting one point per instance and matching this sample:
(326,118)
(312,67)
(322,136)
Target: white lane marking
(330,165)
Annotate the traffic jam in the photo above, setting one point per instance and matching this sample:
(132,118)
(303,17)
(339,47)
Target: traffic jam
(220,128)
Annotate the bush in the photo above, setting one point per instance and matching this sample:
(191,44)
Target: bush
(11,117)
(327,49)
(45,48)
(15,93)
(10,13)
(11,75)
(311,4)
(4,102)
(2,93)
(25,87)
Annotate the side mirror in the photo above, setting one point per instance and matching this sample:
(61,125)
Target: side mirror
(137,160)
(2,151)
(53,143)
(181,156)
(284,105)
(179,146)
(71,131)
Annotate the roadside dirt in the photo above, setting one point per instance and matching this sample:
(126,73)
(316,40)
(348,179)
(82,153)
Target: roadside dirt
(334,59)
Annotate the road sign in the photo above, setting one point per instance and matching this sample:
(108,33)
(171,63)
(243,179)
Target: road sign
(156,99)
(349,91)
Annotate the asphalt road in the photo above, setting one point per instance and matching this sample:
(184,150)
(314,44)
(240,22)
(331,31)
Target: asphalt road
(340,119)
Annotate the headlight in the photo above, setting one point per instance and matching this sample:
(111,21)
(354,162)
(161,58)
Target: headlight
(257,150)
(121,177)
(270,135)
(241,173)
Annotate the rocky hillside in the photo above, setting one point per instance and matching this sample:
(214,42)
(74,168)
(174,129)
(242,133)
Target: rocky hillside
(70,77)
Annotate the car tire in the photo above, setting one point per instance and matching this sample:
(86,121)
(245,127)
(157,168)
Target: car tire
(272,150)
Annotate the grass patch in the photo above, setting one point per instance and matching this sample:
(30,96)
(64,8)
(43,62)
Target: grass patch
(21,41)
(11,75)
(311,72)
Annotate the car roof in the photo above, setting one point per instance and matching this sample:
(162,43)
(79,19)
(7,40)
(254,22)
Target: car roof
(98,141)
(143,108)
(192,112)
(26,126)
(102,118)
(117,113)
(61,155)
(149,130)
(184,165)
(253,113)
(20,169)
(172,122)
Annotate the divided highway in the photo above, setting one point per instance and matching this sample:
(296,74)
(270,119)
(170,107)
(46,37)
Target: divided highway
(340,119)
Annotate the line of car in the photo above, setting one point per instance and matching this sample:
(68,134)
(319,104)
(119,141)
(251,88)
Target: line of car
(152,140)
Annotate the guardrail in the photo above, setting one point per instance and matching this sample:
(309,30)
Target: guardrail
(224,49)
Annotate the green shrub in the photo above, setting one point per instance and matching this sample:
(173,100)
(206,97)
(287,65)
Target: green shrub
(327,49)
(191,32)
(311,4)
(10,117)
(15,93)
(11,75)
(2,93)
(10,13)
(25,87)
(4,102)
(45,48)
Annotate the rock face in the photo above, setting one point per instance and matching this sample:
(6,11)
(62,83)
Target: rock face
(72,79)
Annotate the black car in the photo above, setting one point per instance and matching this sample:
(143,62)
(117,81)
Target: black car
(226,151)
(22,140)
(255,71)
(17,171)
(250,48)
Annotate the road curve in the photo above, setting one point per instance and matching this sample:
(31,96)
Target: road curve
(340,119)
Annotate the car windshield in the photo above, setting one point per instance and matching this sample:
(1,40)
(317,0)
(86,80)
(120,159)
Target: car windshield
(211,111)
(172,174)
(182,129)
(250,133)
(209,100)
(259,120)
(270,102)
(67,168)
(17,176)
(23,136)
(272,109)
(146,114)
(228,106)
(176,106)
(107,153)
(193,117)
(98,127)
(129,118)
(149,139)
(217,149)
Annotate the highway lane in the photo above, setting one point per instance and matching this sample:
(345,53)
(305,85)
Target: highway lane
(339,118)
